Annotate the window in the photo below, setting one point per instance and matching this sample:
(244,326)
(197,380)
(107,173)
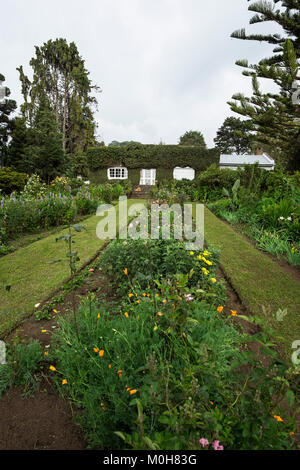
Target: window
(183,173)
(117,173)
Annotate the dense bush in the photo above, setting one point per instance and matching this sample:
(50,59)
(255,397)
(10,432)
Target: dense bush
(11,180)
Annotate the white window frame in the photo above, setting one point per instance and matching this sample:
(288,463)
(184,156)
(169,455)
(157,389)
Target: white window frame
(117,173)
(183,168)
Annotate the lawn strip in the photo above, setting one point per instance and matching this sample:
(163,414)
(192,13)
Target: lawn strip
(261,284)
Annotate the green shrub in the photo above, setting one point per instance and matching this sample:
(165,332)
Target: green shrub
(11,180)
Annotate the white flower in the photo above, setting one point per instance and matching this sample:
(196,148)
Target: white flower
(37,305)
(281,218)
(289,218)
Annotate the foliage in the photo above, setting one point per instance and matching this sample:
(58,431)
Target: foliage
(192,138)
(11,180)
(7,106)
(151,156)
(169,369)
(23,361)
(234,136)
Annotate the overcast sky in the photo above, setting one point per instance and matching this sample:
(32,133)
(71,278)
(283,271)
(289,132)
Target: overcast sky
(164,66)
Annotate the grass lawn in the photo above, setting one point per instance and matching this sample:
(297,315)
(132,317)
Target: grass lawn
(33,277)
(262,285)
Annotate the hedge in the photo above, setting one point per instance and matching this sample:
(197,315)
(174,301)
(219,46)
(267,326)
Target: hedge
(151,156)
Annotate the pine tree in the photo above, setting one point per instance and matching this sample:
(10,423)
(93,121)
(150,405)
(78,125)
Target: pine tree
(274,115)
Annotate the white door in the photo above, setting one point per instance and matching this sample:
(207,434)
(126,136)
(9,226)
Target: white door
(148,177)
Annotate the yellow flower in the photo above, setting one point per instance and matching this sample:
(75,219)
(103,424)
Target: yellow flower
(130,295)
(96,350)
(46,353)
(220,308)
(64,382)
(101,352)
(137,301)
(278,418)
(205,271)
(126,314)
(233,312)
(144,294)
(148,295)
(206,253)
(148,287)
(164,301)
(213,279)
(125,271)
(98,315)
(52,368)
(132,392)
(192,253)
(54,311)
(43,331)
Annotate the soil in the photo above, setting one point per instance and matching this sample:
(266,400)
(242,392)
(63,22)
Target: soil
(44,421)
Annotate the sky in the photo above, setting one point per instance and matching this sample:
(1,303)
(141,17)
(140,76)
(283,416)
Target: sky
(164,67)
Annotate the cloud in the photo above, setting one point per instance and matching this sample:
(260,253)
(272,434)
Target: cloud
(164,66)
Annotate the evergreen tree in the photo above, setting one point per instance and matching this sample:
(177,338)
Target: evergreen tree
(60,73)
(17,146)
(7,107)
(234,136)
(274,115)
(193,138)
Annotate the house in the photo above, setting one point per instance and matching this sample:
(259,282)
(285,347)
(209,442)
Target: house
(146,165)
(234,161)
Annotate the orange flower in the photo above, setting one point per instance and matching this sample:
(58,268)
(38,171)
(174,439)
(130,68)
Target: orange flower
(220,309)
(159,314)
(278,418)
(164,301)
(103,407)
(125,271)
(132,392)
(233,312)
(292,433)
(211,402)
(52,368)
(101,352)
(98,315)
(126,314)
(46,353)
(64,381)
(109,366)
(119,373)
(128,389)
(96,350)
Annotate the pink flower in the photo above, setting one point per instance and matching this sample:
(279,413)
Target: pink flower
(204,442)
(188,297)
(91,270)
(216,446)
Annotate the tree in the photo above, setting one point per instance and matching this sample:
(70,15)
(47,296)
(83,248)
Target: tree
(7,107)
(44,154)
(192,138)
(60,73)
(19,141)
(274,114)
(234,136)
